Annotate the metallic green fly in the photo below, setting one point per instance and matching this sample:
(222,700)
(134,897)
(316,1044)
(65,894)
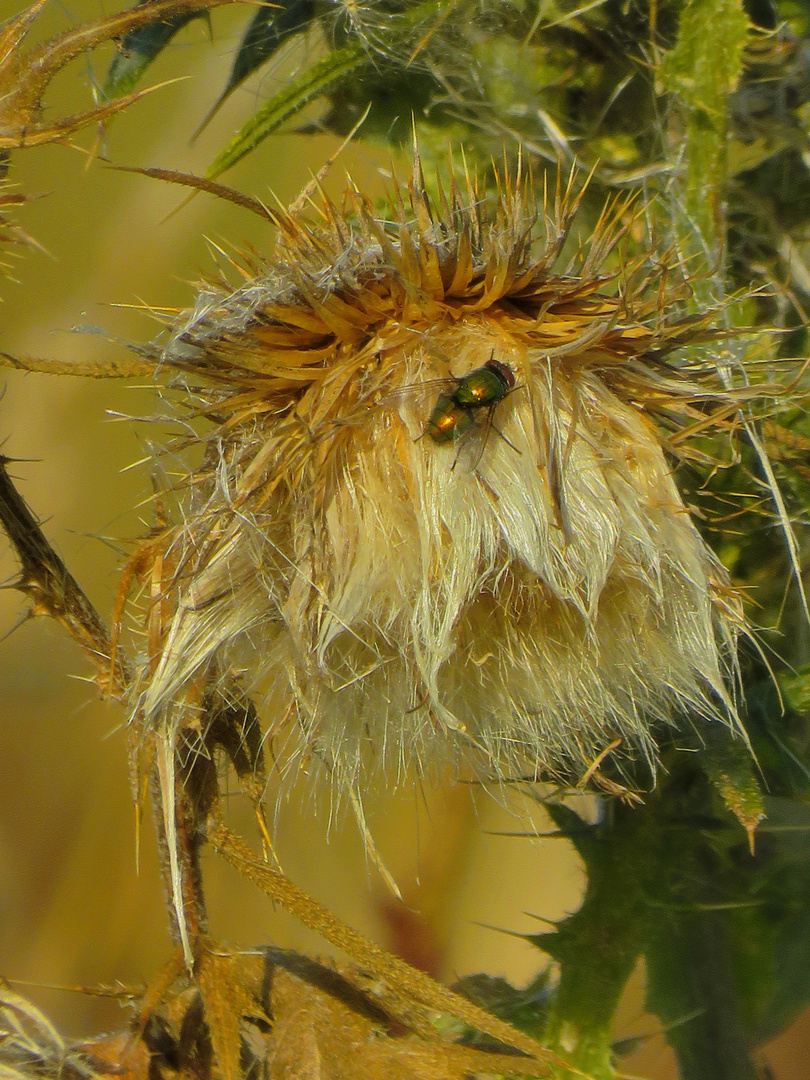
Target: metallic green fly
(454,414)
(464,416)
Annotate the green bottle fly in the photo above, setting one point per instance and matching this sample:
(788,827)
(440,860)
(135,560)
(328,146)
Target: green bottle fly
(453,414)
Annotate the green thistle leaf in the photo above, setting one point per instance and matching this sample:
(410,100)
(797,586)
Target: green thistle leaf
(328,74)
(137,51)
(271,26)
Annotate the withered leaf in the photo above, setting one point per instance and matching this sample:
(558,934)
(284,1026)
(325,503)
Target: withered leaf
(309,1021)
(411,984)
(317,1035)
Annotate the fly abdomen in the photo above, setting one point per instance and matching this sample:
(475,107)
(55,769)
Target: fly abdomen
(449,420)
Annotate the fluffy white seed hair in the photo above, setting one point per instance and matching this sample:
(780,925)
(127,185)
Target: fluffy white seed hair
(394,602)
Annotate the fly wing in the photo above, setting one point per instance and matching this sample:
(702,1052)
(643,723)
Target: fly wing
(420,396)
(422,393)
(419,399)
(471,445)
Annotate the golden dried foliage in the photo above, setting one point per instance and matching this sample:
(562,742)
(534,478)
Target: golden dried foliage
(286,1015)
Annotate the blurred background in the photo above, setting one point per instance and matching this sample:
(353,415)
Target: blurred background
(78,906)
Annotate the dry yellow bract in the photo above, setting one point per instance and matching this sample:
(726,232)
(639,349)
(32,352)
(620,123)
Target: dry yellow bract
(387,609)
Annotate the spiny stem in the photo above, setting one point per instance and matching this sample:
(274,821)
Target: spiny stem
(53,590)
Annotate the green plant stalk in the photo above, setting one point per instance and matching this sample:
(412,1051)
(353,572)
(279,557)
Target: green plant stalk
(703,992)
(701,71)
(598,946)
(671,880)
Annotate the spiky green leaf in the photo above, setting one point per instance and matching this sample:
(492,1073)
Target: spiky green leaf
(138,49)
(271,26)
(328,74)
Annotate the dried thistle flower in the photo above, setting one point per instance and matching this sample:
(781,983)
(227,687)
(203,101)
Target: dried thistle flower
(389,600)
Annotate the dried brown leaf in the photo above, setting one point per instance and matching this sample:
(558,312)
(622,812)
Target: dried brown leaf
(405,982)
(324,1026)
(109,368)
(317,1035)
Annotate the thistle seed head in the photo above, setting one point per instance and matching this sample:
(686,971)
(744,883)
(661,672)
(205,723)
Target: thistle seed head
(520,597)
